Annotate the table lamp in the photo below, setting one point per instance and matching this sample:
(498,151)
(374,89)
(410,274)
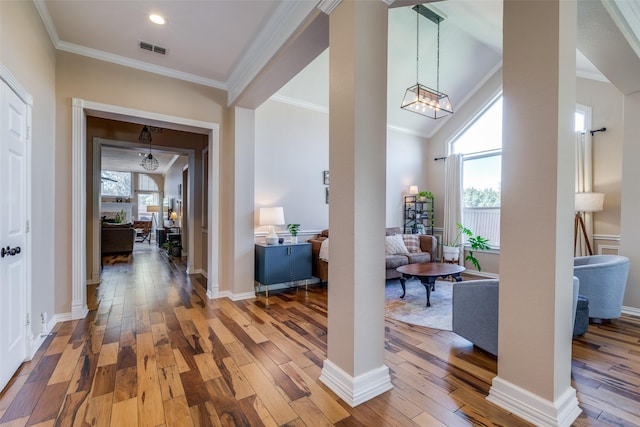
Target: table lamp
(173,217)
(271,217)
(413,189)
(585,202)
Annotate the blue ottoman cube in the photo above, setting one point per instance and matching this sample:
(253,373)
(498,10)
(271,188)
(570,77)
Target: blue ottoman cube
(581,323)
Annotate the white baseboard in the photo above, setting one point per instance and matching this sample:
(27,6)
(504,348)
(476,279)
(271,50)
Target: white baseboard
(194,271)
(39,338)
(355,391)
(236,297)
(533,408)
(632,311)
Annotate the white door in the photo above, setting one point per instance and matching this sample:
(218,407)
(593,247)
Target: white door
(13,223)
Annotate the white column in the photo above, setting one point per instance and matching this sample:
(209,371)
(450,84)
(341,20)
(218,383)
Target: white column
(630,203)
(355,368)
(78,208)
(535,316)
(244,202)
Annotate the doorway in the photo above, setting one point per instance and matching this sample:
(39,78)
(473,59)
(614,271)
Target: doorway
(80,110)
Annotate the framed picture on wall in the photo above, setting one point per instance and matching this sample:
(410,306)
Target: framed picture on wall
(326,195)
(179,190)
(325,177)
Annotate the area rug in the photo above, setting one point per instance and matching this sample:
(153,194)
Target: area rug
(412,308)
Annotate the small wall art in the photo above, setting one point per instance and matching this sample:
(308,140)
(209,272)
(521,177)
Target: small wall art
(325,177)
(326,195)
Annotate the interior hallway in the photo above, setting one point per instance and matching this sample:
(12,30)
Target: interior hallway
(153,351)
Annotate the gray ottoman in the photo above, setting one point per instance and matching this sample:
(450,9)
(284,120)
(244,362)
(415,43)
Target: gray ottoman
(582,317)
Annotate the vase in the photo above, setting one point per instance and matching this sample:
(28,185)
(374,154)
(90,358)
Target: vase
(450,253)
(294,239)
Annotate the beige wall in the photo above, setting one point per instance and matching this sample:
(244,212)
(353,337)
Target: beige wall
(606,104)
(26,51)
(102,82)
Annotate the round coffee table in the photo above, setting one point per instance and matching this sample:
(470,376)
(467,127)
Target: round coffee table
(428,272)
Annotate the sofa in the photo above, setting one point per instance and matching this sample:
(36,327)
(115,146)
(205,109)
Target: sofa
(422,248)
(117,238)
(475,311)
(603,279)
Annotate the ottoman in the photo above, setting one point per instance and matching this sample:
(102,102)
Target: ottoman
(581,323)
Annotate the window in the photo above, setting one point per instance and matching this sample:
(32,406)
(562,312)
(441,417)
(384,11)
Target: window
(116,184)
(146,183)
(481,144)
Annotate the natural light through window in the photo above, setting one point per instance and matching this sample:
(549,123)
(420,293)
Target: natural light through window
(481,144)
(116,184)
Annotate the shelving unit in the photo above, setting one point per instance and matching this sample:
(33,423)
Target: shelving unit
(418,215)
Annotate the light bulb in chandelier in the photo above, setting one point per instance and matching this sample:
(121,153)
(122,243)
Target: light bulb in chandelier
(149,162)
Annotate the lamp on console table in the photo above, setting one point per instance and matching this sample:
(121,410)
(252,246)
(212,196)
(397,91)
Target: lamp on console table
(585,203)
(173,217)
(271,217)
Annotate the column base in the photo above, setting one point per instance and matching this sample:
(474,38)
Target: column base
(532,407)
(355,391)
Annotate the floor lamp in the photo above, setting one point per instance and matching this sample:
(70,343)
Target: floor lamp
(585,202)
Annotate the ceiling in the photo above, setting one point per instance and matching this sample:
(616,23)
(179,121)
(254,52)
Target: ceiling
(213,42)
(128,159)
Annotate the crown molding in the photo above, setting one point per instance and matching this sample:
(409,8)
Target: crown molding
(407,131)
(327,6)
(592,76)
(301,104)
(139,65)
(47,21)
(287,18)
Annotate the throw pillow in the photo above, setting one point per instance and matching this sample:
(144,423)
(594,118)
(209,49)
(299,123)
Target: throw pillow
(412,242)
(395,245)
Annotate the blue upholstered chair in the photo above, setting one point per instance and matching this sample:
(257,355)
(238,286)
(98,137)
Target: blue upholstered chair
(603,279)
(475,311)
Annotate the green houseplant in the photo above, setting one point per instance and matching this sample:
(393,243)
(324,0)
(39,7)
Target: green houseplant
(424,195)
(451,249)
(293,229)
(173,247)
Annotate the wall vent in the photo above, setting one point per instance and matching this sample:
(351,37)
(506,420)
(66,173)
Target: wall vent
(152,48)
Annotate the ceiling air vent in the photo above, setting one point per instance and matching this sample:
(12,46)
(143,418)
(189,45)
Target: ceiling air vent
(153,48)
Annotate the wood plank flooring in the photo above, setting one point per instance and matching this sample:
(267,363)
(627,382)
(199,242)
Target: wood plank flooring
(154,352)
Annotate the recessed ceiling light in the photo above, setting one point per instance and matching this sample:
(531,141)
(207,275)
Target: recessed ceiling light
(156,19)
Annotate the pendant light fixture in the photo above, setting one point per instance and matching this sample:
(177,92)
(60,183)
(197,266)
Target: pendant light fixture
(419,98)
(149,162)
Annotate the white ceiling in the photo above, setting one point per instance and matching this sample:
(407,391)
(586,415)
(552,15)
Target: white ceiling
(212,42)
(128,159)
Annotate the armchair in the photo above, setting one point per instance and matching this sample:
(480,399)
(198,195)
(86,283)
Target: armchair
(603,279)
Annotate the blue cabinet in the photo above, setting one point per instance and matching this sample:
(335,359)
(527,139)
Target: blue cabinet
(282,263)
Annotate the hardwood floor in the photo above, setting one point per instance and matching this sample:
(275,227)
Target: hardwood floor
(155,352)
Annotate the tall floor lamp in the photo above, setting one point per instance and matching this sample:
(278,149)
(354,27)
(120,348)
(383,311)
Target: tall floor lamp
(585,202)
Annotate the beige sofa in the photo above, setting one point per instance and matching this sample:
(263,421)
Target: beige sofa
(427,253)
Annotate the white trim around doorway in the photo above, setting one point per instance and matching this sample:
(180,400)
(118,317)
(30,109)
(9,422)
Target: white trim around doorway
(80,110)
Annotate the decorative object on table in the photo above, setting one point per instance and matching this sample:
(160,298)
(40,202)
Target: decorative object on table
(451,250)
(325,177)
(293,229)
(419,98)
(424,195)
(271,217)
(586,202)
(148,162)
(173,217)
(280,240)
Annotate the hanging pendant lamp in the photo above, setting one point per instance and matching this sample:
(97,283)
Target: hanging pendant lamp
(149,162)
(420,98)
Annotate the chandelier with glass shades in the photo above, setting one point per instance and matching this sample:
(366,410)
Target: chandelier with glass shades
(419,98)
(148,162)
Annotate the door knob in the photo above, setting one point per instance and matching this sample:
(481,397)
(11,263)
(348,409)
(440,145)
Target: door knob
(9,251)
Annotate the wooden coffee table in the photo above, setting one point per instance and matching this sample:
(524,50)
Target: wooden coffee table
(428,272)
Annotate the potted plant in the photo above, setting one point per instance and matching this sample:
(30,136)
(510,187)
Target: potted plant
(451,252)
(173,247)
(293,229)
(424,195)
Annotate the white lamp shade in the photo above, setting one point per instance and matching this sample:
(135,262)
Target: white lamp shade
(413,189)
(589,202)
(173,216)
(271,216)
(153,208)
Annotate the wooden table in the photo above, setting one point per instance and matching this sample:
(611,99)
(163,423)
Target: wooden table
(428,272)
